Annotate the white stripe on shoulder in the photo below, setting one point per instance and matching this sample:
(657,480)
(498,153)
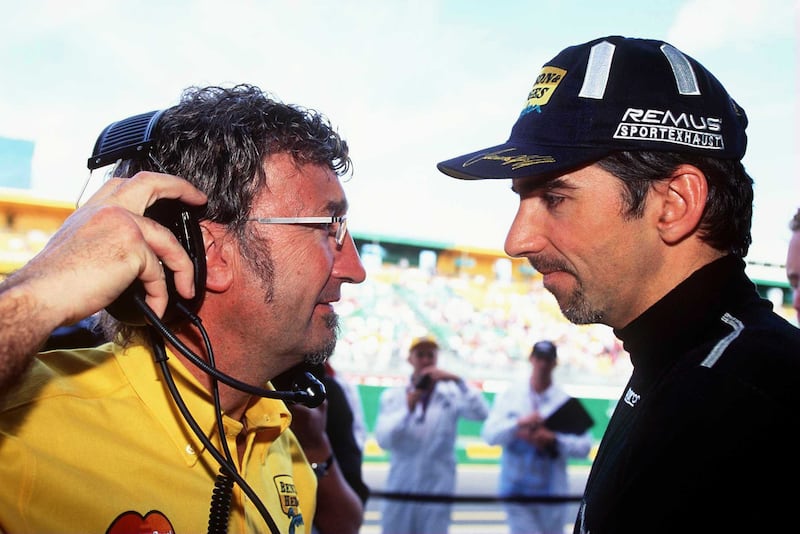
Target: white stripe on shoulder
(723,343)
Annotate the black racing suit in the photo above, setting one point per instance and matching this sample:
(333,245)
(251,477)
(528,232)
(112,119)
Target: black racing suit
(702,439)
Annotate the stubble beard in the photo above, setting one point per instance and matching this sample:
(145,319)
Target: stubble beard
(575,306)
(577,309)
(322,354)
(257,253)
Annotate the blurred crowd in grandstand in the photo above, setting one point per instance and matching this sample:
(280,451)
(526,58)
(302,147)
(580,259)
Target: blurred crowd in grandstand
(486,327)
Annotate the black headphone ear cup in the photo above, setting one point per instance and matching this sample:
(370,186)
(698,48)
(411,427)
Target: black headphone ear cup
(182,220)
(133,139)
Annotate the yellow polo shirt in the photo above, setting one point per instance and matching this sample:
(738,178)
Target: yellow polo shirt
(91,441)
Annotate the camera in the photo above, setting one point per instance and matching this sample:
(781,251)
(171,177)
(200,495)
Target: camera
(424,382)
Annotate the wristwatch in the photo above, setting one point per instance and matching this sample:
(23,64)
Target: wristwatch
(321,468)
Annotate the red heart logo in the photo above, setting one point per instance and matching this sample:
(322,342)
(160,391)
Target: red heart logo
(133,523)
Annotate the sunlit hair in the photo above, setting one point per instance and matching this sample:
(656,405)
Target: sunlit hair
(219,138)
(727,215)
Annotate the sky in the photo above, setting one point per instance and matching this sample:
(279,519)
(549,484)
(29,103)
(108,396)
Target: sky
(407,83)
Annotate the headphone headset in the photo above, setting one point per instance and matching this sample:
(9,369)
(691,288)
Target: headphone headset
(133,138)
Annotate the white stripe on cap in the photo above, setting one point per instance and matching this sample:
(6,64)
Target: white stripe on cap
(597,71)
(682,70)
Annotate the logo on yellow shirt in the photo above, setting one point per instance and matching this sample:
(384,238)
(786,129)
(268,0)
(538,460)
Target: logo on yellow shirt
(154,522)
(290,503)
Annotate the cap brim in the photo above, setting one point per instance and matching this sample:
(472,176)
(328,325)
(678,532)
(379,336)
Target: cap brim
(512,160)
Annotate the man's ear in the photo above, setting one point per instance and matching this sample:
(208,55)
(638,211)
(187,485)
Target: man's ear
(682,202)
(219,246)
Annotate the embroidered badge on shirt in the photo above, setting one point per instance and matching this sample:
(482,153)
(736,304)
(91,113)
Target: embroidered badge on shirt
(290,503)
(631,397)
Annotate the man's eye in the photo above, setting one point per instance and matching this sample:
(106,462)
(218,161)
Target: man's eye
(551,200)
(328,228)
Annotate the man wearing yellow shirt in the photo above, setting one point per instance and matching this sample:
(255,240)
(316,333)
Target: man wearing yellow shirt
(125,437)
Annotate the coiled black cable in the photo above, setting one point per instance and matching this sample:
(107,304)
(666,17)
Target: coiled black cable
(157,330)
(220,510)
(222,497)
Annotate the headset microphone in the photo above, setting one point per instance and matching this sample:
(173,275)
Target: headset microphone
(306,388)
(310,393)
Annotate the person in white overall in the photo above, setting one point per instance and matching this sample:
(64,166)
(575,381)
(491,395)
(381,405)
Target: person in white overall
(534,459)
(417,426)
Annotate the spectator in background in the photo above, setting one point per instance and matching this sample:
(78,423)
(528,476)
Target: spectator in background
(793,263)
(325,428)
(345,427)
(534,458)
(339,423)
(353,398)
(417,426)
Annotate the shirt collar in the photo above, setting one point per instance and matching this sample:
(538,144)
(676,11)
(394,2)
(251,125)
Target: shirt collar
(145,377)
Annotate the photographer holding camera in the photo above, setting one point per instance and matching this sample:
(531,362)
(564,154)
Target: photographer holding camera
(417,426)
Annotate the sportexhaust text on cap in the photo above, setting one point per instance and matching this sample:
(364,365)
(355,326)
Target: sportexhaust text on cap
(612,94)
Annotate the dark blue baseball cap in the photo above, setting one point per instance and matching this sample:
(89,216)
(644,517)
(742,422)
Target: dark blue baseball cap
(611,94)
(544,349)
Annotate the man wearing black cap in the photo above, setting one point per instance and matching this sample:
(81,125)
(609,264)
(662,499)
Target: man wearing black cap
(535,452)
(636,209)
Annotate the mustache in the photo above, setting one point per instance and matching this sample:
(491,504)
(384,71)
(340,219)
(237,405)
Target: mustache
(547,265)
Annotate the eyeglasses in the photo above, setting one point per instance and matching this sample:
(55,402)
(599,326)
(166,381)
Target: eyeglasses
(337,226)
